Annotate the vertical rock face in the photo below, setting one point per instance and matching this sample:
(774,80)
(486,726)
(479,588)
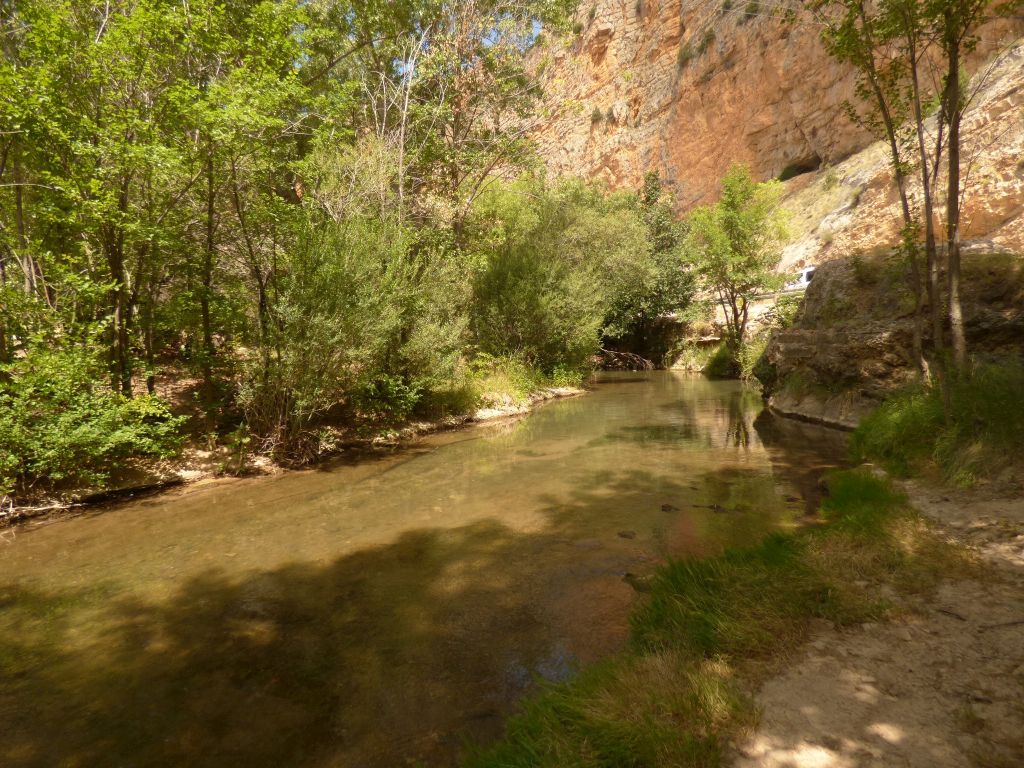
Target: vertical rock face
(852,207)
(851,344)
(687,87)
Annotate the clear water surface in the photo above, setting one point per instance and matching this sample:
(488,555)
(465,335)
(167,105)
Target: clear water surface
(385,611)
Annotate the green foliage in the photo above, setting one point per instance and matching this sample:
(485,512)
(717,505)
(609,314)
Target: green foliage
(723,364)
(705,41)
(499,378)
(691,356)
(62,426)
(753,366)
(685,55)
(658,282)
(366,315)
(832,179)
(750,355)
(388,397)
(281,199)
(597,116)
(553,262)
(673,697)
(910,434)
(734,246)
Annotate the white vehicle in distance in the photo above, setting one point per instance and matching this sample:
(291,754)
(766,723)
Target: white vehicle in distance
(802,281)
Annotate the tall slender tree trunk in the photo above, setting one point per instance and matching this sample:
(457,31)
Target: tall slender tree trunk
(954,115)
(930,250)
(121,371)
(120,301)
(206,287)
(25,259)
(928,204)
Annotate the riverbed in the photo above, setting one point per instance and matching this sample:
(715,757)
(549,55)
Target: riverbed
(383,610)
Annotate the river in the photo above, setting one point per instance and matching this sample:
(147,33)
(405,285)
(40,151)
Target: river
(388,610)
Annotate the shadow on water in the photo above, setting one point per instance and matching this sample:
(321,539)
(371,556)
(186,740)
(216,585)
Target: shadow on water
(372,659)
(801,453)
(390,651)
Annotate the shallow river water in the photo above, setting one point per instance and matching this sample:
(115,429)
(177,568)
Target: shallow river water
(385,611)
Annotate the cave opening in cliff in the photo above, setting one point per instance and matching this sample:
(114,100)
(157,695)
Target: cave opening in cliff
(800,167)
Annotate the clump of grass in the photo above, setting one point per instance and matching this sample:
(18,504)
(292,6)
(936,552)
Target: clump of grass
(750,355)
(722,364)
(685,55)
(706,40)
(910,434)
(674,698)
(499,378)
(831,179)
(690,356)
(655,709)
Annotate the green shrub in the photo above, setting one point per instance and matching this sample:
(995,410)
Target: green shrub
(706,40)
(690,356)
(750,354)
(497,378)
(685,55)
(597,116)
(555,261)
(458,396)
(783,313)
(909,432)
(388,397)
(367,315)
(831,179)
(722,364)
(62,427)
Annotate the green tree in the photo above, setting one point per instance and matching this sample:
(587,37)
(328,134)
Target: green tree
(900,48)
(659,281)
(735,246)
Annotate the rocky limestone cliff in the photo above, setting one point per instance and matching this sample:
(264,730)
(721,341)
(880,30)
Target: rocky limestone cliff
(853,207)
(851,343)
(687,87)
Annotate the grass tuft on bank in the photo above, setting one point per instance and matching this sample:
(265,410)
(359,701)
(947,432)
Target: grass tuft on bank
(675,697)
(910,435)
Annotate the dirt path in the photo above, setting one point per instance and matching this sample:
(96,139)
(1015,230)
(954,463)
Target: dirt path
(943,687)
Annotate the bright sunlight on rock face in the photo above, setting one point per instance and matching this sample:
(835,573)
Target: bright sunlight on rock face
(512,383)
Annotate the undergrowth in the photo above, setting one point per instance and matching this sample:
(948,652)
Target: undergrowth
(909,433)
(674,698)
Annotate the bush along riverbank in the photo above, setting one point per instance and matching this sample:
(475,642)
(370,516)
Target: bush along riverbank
(912,434)
(711,629)
(490,389)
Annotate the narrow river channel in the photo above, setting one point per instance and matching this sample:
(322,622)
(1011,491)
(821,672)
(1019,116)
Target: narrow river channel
(386,611)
